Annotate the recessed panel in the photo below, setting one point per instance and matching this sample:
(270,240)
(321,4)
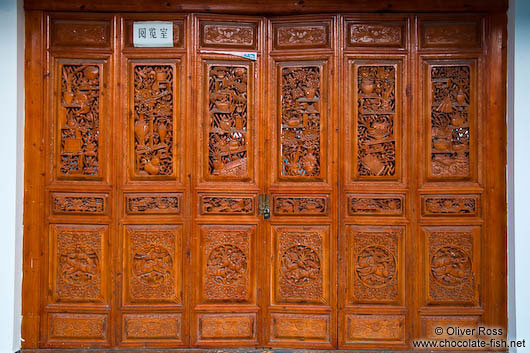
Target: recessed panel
(80,33)
(69,327)
(152,327)
(226,205)
(450,34)
(307,35)
(376,205)
(236,35)
(375,34)
(375,328)
(300,327)
(227,327)
(153,203)
(66,203)
(450,205)
(298,205)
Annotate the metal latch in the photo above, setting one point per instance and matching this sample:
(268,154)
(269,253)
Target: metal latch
(264,202)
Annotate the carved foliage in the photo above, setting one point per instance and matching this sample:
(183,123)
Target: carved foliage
(152,326)
(450,35)
(300,36)
(66,203)
(375,264)
(79,120)
(79,263)
(300,266)
(227,326)
(297,326)
(376,121)
(450,121)
(77,326)
(374,35)
(153,203)
(450,205)
(154,257)
(288,205)
(226,205)
(375,327)
(228,124)
(301,121)
(359,205)
(228,35)
(450,266)
(227,258)
(153,120)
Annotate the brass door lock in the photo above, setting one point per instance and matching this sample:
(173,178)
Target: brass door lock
(264,206)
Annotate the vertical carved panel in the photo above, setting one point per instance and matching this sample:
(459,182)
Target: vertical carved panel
(301,125)
(227,263)
(153,125)
(79,263)
(301,264)
(377,122)
(153,264)
(228,121)
(450,121)
(375,264)
(79,121)
(450,264)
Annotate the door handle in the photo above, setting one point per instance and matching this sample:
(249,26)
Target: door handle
(264,206)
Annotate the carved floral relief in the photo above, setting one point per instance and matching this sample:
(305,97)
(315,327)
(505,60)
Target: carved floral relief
(297,36)
(226,205)
(227,34)
(71,203)
(449,205)
(153,203)
(290,205)
(373,35)
(375,205)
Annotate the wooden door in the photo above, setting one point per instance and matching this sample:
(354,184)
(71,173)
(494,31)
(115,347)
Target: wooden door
(309,181)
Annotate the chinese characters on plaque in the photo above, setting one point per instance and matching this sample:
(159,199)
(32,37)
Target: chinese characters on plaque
(153,34)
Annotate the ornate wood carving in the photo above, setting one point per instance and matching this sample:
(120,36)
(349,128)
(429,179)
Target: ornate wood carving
(79,121)
(301,123)
(75,33)
(292,36)
(375,264)
(375,35)
(227,326)
(79,203)
(153,203)
(66,326)
(153,264)
(224,205)
(430,323)
(450,35)
(228,121)
(450,269)
(376,122)
(153,121)
(79,263)
(375,327)
(450,121)
(298,326)
(376,205)
(152,326)
(303,205)
(450,205)
(227,262)
(229,34)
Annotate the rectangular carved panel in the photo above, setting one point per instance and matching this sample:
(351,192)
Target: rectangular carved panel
(376,121)
(451,264)
(80,33)
(227,262)
(228,121)
(153,263)
(153,203)
(79,203)
(436,34)
(375,328)
(376,205)
(368,34)
(178,34)
(78,263)
(77,327)
(430,327)
(153,125)
(300,327)
(301,264)
(301,35)
(376,263)
(159,326)
(227,327)
(450,205)
(238,35)
(226,205)
(292,205)
(79,121)
(301,123)
(451,113)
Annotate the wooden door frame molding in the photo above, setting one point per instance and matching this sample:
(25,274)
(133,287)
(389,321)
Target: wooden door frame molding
(494,127)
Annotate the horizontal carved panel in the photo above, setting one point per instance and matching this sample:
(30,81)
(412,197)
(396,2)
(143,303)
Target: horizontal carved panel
(301,35)
(227,327)
(80,33)
(228,35)
(435,34)
(178,34)
(292,205)
(152,326)
(376,205)
(226,205)
(375,328)
(450,205)
(79,203)
(77,327)
(375,34)
(300,327)
(153,203)
(430,327)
